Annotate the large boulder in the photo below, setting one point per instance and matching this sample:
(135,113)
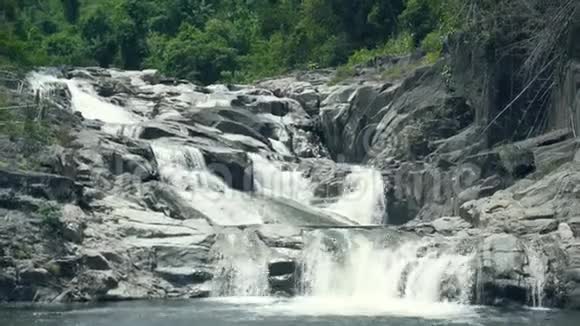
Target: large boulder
(502,258)
(301,91)
(234,167)
(514,270)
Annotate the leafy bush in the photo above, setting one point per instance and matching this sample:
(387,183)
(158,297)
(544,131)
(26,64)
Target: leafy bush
(66,47)
(342,73)
(401,45)
(433,46)
(50,215)
(197,55)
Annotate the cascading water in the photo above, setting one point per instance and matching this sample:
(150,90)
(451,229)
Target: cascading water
(362,202)
(272,181)
(537,269)
(363,199)
(351,266)
(184,167)
(241,264)
(84,99)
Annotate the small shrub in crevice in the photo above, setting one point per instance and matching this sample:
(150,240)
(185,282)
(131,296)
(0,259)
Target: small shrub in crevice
(50,215)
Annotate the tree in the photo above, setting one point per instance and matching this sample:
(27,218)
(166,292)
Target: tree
(198,55)
(71,10)
(420,17)
(97,30)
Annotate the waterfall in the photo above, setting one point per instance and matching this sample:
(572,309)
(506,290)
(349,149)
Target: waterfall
(184,167)
(241,264)
(271,180)
(537,270)
(84,99)
(363,197)
(354,267)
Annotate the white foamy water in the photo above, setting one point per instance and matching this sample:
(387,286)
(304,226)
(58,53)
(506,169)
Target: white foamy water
(184,167)
(241,265)
(352,267)
(537,269)
(363,198)
(280,148)
(362,201)
(344,306)
(84,99)
(271,180)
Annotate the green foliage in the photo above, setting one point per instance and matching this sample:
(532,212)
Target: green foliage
(97,31)
(228,40)
(401,45)
(65,46)
(433,46)
(420,17)
(50,215)
(199,55)
(342,73)
(399,71)
(71,10)
(19,123)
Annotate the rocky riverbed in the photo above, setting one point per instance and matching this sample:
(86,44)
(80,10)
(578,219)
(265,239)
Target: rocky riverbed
(174,190)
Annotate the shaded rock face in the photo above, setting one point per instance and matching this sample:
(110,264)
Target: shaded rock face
(235,168)
(40,185)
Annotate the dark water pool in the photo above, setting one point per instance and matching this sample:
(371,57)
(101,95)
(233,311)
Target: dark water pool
(264,311)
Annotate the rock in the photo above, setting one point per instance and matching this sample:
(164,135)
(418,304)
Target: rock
(179,208)
(281,267)
(349,127)
(565,232)
(155,130)
(573,274)
(552,155)
(518,162)
(34,276)
(535,226)
(574,224)
(223,117)
(73,223)
(504,254)
(96,261)
(7,286)
(281,236)
(328,176)
(573,300)
(65,267)
(94,285)
(283,285)
(539,213)
(7,262)
(182,276)
(45,186)
(126,291)
(234,167)
(300,91)
(193,258)
(120,163)
(450,225)
(504,270)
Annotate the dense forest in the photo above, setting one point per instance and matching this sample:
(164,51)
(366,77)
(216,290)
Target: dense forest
(219,40)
